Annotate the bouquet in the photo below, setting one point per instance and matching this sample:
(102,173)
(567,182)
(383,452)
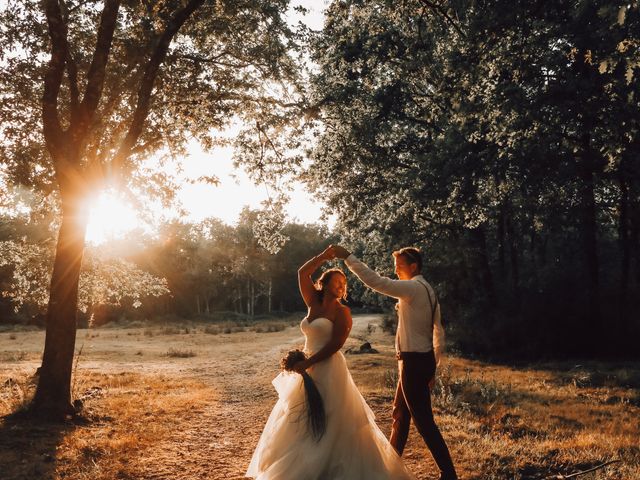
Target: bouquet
(315,408)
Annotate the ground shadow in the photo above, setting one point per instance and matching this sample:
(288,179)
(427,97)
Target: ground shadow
(537,472)
(28,446)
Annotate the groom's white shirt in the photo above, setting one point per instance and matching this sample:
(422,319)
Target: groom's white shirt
(414,332)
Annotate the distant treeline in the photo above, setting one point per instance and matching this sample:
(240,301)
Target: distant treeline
(184,270)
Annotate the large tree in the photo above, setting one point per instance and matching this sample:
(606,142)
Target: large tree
(503,136)
(88,89)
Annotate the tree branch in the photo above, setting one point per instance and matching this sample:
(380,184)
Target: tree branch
(72,75)
(146,85)
(430,219)
(444,14)
(216,60)
(72,68)
(78,5)
(97,70)
(202,59)
(153,142)
(273,147)
(584,472)
(52,128)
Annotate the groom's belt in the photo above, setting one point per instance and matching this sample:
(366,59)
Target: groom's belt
(414,355)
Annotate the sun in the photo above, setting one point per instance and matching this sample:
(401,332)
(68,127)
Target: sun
(111,217)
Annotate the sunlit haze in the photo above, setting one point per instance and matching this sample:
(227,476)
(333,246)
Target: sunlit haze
(112,217)
(226,200)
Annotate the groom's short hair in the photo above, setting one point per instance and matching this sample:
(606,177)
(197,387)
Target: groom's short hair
(411,255)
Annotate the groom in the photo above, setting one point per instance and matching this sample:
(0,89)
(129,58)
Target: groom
(419,346)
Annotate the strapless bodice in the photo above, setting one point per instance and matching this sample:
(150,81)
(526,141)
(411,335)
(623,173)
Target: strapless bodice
(316,333)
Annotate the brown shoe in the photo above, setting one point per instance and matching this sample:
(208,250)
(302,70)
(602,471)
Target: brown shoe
(448,476)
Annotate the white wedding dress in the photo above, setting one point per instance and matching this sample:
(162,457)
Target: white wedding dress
(352,448)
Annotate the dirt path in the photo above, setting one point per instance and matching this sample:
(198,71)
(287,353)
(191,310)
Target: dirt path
(225,434)
(500,422)
(215,441)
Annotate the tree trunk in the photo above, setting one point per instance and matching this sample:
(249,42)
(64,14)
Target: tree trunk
(533,260)
(501,240)
(513,257)
(53,394)
(589,234)
(634,234)
(269,295)
(249,296)
(485,268)
(588,164)
(623,233)
(252,298)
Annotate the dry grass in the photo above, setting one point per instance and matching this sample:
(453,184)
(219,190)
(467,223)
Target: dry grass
(176,353)
(505,422)
(125,416)
(532,423)
(198,412)
(260,326)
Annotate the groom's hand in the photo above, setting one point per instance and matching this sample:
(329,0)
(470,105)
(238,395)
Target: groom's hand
(328,253)
(340,251)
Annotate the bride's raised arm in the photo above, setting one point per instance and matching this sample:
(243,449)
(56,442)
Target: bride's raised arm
(307,289)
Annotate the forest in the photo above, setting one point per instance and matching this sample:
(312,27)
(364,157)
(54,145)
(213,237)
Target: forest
(501,138)
(503,141)
(203,270)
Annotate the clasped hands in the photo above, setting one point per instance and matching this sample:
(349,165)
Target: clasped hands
(335,251)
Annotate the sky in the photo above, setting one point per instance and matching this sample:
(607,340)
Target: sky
(235,190)
(111,217)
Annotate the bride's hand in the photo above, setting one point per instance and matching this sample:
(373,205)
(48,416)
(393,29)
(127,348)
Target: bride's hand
(301,366)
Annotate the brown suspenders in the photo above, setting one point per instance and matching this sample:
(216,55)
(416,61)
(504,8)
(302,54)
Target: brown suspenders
(433,305)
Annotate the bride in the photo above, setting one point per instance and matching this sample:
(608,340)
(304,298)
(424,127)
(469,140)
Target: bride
(352,447)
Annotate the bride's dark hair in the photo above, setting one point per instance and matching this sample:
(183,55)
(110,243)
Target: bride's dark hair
(325,278)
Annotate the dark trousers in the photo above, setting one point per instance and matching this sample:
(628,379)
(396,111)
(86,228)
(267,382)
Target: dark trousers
(413,401)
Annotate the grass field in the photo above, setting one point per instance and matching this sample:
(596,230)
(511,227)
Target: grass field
(188,401)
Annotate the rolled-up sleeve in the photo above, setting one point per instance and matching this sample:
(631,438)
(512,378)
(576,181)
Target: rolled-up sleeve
(384,285)
(438,336)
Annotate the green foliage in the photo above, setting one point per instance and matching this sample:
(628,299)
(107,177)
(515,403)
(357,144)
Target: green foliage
(103,281)
(208,270)
(27,249)
(508,152)
(228,63)
(212,266)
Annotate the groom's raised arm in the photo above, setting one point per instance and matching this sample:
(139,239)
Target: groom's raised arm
(384,285)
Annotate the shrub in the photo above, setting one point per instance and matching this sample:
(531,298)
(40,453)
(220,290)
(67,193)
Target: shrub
(390,322)
(176,353)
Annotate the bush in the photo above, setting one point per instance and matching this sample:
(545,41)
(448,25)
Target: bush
(390,322)
(176,353)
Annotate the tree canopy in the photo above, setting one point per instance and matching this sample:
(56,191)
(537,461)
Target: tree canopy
(503,138)
(88,89)
(184,270)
